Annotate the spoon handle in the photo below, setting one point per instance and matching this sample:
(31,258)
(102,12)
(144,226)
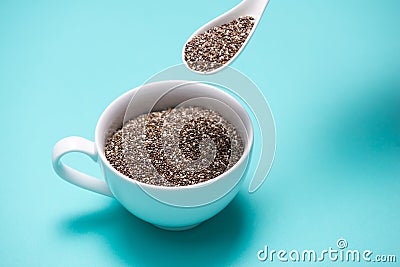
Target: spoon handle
(254,7)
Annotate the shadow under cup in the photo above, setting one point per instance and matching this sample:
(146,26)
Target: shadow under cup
(183,207)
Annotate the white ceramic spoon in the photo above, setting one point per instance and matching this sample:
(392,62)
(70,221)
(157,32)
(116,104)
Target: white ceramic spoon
(254,8)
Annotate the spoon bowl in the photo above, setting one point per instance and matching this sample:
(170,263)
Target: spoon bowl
(253,8)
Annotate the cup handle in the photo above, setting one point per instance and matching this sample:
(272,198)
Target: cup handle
(82,145)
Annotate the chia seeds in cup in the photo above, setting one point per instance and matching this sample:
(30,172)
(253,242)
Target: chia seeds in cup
(175,147)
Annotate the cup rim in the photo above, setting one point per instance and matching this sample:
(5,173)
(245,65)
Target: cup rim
(101,155)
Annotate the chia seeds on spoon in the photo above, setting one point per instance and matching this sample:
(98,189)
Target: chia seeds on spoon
(175,147)
(212,49)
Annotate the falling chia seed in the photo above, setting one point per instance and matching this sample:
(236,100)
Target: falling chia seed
(212,49)
(175,147)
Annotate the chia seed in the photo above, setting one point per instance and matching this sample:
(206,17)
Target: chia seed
(212,49)
(175,147)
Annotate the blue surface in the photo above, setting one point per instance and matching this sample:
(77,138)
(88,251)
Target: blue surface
(329,69)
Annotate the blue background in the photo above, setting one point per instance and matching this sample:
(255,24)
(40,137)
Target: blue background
(329,69)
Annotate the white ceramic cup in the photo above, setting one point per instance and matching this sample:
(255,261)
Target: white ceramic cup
(173,208)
